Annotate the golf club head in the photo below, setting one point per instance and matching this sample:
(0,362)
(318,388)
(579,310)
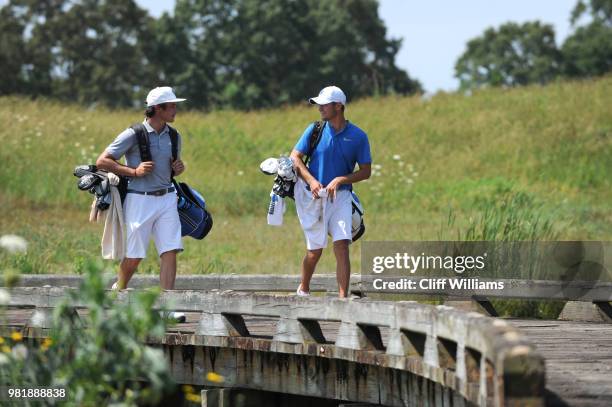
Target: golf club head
(82,170)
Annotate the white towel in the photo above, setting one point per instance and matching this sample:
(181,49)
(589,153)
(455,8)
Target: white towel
(114,236)
(311,211)
(276,210)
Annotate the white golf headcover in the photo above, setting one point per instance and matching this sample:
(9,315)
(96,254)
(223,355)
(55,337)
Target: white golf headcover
(269,166)
(286,170)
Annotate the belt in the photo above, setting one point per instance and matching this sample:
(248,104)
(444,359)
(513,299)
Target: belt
(159,192)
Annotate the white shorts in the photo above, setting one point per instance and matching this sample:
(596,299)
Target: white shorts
(147,215)
(322,217)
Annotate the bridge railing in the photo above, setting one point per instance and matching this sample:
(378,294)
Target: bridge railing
(483,359)
(597,295)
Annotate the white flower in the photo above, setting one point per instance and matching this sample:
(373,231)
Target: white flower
(5,297)
(240,172)
(19,351)
(13,243)
(396,157)
(4,359)
(377,166)
(415,174)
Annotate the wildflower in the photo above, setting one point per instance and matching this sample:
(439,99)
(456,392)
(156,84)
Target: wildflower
(13,243)
(5,349)
(415,174)
(20,352)
(4,359)
(16,336)
(187,389)
(377,166)
(5,297)
(215,378)
(193,398)
(240,172)
(396,157)
(46,344)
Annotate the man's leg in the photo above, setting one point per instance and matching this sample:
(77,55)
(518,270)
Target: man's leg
(127,268)
(308,267)
(343,266)
(167,273)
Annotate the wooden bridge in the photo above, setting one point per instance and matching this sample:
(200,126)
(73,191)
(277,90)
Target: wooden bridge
(393,353)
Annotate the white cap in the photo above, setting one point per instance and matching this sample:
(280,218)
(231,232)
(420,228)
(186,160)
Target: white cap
(329,94)
(162,94)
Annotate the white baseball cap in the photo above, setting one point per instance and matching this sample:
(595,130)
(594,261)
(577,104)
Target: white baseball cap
(162,94)
(329,94)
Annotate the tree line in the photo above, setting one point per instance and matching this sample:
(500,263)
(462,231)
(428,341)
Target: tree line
(522,54)
(249,54)
(243,54)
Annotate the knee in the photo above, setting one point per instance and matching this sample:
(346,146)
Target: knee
(130,264)
(341,246)
(314,255)
(169,254)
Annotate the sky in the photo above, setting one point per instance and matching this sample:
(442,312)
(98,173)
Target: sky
(435,32)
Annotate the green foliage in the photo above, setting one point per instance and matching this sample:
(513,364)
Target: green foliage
(241,53)
(551,144)
(508,217)
(510,56)
(99,358)
(524,54)
(588,51)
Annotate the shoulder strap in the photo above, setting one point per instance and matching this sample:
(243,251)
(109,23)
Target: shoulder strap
(315,137)
(143,141)
(174,140)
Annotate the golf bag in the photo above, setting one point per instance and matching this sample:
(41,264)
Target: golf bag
(196,221)
(96,182)
(284,184)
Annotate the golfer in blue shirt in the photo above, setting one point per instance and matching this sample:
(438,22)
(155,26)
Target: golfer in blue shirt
(329,176)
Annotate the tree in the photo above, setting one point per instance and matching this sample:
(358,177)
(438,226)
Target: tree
(588,51)
(12,53)
(252,54)
(510,56)
(86,51)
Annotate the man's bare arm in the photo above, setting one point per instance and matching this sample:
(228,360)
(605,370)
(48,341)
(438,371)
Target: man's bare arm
(303,173)
(108,163)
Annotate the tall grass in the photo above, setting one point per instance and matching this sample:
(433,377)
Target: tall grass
(525,163)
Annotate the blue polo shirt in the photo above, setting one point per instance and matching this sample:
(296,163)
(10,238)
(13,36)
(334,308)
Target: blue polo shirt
(337,153)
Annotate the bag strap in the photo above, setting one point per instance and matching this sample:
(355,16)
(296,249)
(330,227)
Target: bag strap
(142,135)
(315,137)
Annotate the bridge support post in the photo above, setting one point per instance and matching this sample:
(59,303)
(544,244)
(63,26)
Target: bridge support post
(359,337)
(215,324)
(291,330)
(587,311)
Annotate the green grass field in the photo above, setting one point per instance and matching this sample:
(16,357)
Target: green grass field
(454,166)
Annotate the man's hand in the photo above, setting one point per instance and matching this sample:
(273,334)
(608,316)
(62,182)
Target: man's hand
(332,187)
(315,187)
(177,166)
(144,168)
